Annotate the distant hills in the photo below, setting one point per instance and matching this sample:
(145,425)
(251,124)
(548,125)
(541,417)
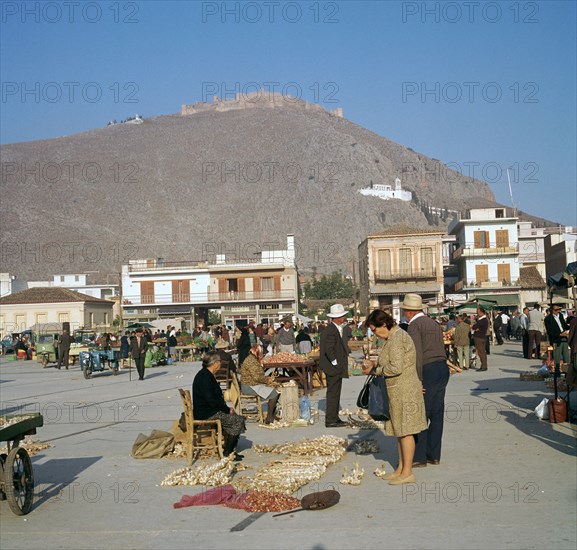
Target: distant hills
(233,181)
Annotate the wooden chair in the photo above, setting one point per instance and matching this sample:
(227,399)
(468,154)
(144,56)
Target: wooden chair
(245,404)
(202,435)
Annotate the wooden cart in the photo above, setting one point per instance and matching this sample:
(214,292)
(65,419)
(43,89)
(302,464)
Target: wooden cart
(16,476)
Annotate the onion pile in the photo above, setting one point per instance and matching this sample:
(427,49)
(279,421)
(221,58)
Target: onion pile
(212,476)
(357,473)
(285,357)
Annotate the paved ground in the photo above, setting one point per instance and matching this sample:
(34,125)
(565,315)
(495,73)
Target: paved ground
(506,479)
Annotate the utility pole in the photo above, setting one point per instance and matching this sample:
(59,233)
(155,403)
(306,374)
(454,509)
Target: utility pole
(120,300)
(354,291)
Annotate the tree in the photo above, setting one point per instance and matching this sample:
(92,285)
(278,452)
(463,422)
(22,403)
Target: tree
(332,287)
(214,317)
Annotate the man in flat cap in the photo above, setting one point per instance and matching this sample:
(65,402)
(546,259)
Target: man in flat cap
(433,372)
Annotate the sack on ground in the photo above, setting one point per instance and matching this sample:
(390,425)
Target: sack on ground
(155,445)
(541,409)
(557,409)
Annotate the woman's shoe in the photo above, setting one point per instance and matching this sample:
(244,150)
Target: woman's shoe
(403,480)
(390,476)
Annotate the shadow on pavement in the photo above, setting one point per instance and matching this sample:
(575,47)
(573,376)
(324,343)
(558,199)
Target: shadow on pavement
(530,425)
(55,479)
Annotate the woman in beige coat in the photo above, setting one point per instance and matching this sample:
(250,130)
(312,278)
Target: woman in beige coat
(397,363)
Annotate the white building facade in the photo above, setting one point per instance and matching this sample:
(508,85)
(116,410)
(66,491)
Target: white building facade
(487,255)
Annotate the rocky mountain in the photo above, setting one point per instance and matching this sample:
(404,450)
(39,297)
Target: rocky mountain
(183,187)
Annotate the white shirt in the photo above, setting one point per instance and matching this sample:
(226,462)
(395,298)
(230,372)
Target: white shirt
(340,329)
(556,317)
(524,321)
(420,314)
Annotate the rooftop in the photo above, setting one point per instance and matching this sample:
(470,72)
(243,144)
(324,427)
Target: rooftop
(402,230)
(49,295)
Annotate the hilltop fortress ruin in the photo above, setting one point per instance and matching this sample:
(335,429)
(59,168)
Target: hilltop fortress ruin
(257,100)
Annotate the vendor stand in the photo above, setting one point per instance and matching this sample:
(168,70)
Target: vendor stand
(291,367)
(187,351)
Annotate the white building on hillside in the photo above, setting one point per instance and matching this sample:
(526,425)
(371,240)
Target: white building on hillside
(386,192)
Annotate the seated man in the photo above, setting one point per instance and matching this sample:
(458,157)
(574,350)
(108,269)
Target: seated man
(255,382)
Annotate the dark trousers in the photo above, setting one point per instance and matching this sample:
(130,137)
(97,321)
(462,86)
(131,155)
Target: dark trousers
(481,349)
(499,335)
(525,344)
(534,341)
(334,385)
(140,366)
(435,379)
(63,357)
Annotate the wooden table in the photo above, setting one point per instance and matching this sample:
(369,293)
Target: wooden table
(180,349)
(300,372)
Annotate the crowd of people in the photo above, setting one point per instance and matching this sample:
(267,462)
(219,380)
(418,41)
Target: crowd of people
(412,361)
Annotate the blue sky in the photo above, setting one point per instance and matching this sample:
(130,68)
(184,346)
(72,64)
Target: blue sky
(481,85)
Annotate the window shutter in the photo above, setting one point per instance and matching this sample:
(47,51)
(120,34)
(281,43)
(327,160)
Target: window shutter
(147,292)
(504,272)
(502,238)
(482,273)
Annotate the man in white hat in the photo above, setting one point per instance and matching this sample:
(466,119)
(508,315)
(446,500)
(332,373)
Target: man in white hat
(434,374)
(334,363)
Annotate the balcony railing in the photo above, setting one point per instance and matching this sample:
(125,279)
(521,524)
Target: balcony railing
(473,252)
(410,275)
(209,297)
(491,283)
(195,264)
(531,257)
(257,295)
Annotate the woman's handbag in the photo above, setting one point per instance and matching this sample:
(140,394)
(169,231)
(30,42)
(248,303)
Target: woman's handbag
(374,398)
(363,398)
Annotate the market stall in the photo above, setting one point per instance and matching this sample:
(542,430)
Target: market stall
(291,366)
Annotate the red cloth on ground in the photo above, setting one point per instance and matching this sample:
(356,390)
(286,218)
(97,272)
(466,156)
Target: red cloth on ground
(211,497)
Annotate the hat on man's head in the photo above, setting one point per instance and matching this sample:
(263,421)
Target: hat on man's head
(412,302)
(337,310)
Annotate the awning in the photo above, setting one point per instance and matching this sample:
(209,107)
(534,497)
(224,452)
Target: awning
(493,300)
(303,318)
(174,310)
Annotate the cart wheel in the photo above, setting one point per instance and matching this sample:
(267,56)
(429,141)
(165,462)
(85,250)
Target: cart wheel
(44,361)
(3,457)
(87,372)
(19,481)
(115,370)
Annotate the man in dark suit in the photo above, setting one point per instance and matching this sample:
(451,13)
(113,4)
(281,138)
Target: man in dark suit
(138,348)
(64,342)
(334,362)
(558,332)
